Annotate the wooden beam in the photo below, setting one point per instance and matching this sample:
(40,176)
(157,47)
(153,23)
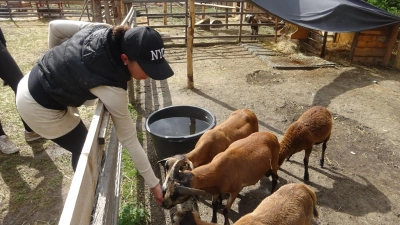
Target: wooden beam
(227,18)
(118,5)
(241,21)
(107,202)
(96,4)
(353,45)
(324,44)
(276,30)
(107,11)
(392,40)
(189,50)
(397,60)
(165,11)
(103,127)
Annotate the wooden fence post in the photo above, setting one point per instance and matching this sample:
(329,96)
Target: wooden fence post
(165,11)
(392,40)
(107,11)
(397,60)
(190,34)
(97,11)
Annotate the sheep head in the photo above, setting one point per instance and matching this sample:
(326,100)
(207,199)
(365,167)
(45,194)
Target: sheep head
(248,18)
(167,163)
(175,188)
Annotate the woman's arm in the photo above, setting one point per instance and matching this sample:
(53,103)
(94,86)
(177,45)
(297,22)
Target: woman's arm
(116,102)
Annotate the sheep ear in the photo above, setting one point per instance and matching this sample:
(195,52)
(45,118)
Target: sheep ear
(189,191)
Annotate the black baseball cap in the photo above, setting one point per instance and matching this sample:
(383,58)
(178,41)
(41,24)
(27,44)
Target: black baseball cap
(145,46)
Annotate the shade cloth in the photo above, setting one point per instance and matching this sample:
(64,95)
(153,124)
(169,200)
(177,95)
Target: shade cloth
(329,15)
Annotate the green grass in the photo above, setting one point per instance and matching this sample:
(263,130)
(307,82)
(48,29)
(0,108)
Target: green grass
(131,210)
(129,171)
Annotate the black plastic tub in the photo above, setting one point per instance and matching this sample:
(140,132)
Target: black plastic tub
(176,129)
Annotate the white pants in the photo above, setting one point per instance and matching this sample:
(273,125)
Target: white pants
(48,123)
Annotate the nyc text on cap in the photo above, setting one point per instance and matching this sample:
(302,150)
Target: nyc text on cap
(146,47)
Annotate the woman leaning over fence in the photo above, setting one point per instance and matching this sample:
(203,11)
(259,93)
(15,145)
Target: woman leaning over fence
(96,62)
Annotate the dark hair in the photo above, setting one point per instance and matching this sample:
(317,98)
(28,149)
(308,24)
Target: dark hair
(119,31)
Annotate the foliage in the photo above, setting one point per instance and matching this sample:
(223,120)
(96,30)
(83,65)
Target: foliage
(392,6)
(129,177)
(131,109)
(133,215)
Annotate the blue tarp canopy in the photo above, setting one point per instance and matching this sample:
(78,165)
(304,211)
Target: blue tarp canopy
(329,15)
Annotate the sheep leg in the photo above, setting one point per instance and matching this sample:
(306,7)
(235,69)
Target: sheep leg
(274,182)
(321,161)
(256,32)
(274,179)
(215,208)
(228,206)
(306,157)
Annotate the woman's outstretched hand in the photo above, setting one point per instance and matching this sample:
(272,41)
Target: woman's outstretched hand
(158,195)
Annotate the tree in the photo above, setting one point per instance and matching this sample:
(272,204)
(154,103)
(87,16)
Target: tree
(392,6)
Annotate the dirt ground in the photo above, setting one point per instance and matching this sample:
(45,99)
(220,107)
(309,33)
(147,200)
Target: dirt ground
(359,182)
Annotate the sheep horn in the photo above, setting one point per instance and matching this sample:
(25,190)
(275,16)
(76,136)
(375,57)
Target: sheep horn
(175,168)
(190,165)
(189,191)
(162,161)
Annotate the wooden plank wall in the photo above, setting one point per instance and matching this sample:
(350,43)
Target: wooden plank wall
(375,46)
(314,42)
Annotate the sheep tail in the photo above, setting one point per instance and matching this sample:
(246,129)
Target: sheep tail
(315,212)
(314,199)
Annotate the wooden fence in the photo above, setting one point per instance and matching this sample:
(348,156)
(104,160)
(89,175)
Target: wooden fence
(93,197)
(43,9)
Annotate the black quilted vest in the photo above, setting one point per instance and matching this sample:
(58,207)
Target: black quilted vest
(67,72)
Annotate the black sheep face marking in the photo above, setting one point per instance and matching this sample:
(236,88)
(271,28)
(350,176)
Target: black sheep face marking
(171,195)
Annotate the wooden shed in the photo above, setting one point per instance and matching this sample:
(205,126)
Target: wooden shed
(368,46)
(373,32)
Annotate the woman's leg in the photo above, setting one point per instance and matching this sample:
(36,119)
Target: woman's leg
(10,73)
(73,142)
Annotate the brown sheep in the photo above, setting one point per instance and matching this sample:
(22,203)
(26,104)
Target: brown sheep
(313,127)
(291,204)
(240,124)
(242,164)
